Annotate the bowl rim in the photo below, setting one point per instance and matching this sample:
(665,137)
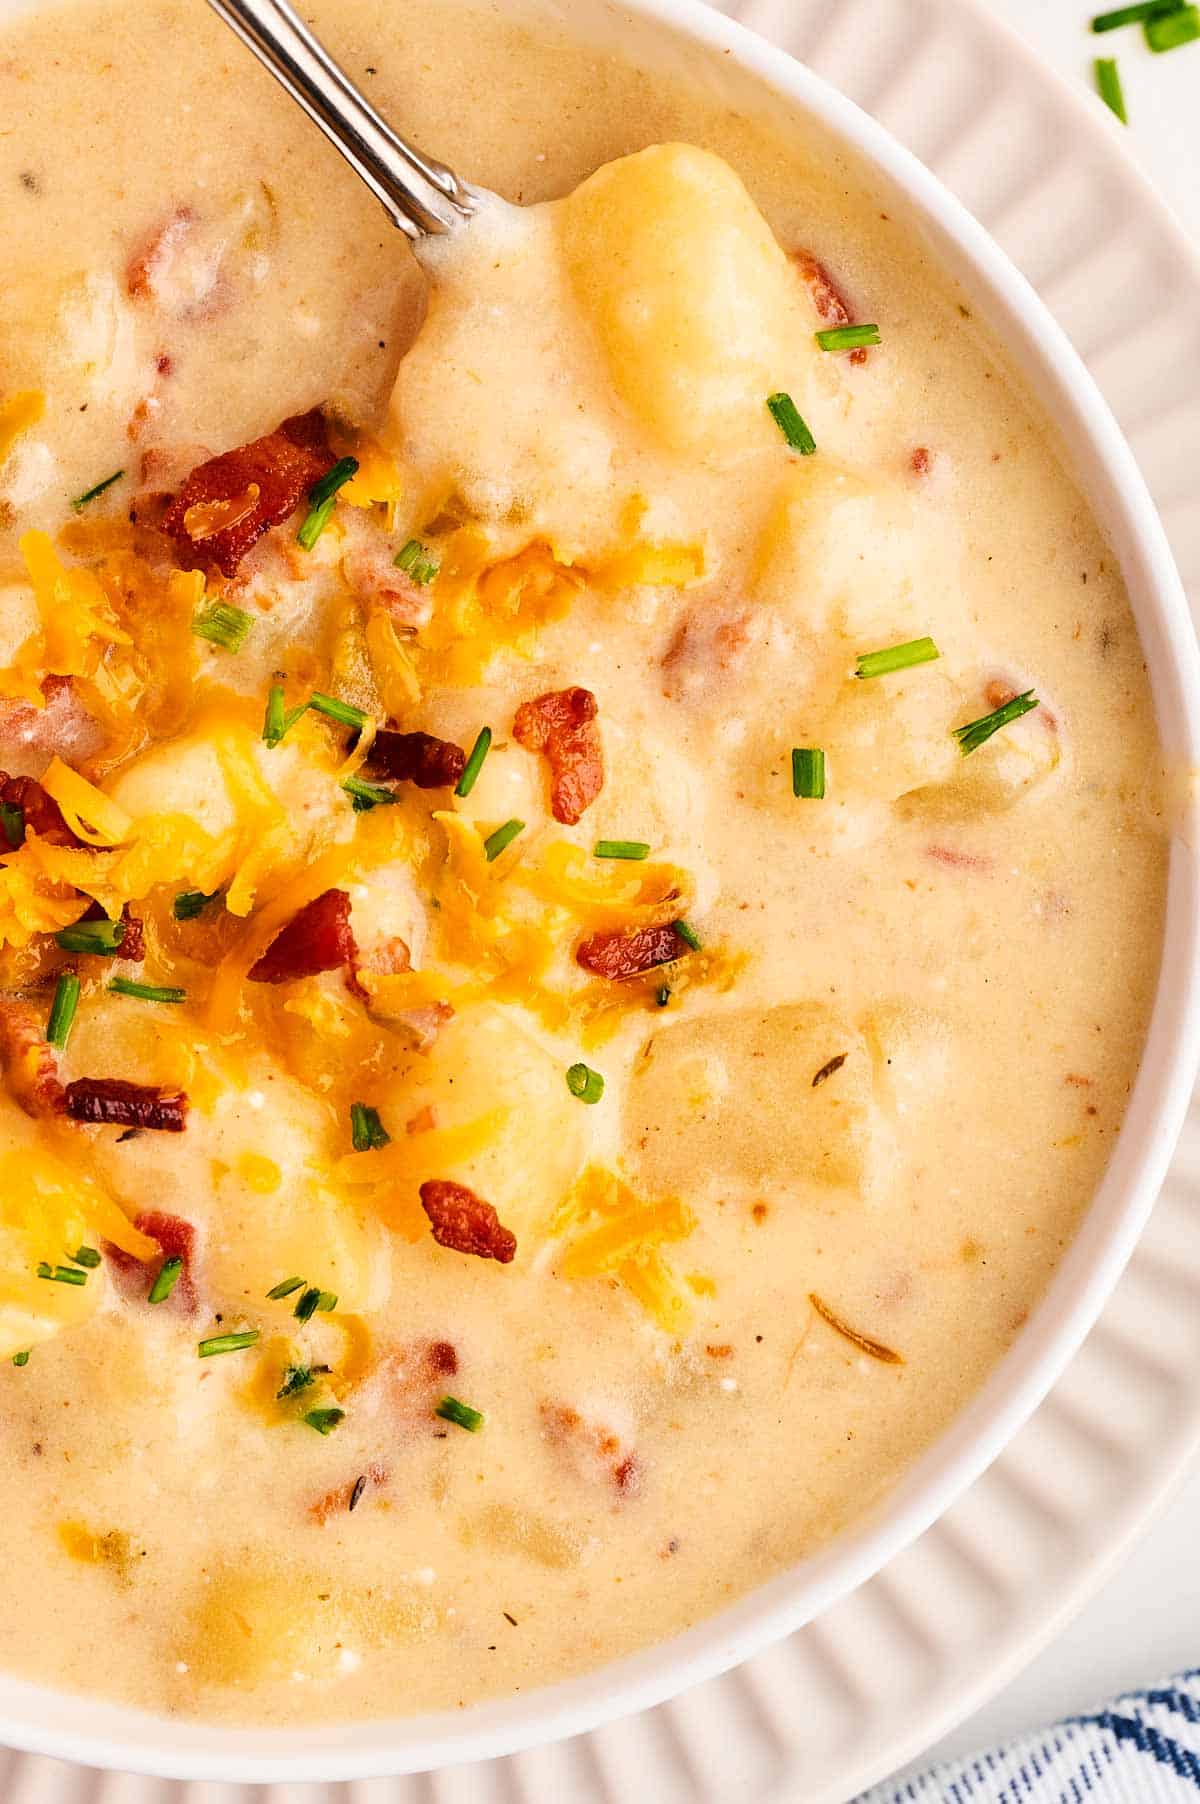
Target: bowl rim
(33,1717)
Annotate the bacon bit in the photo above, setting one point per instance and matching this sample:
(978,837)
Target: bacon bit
(827,297)
(442,1359)
(374,578)
(1080,1083)
(873,1348)
(956,860)
(283,465)
(921,461)
(133,946)
(42,813)
(391,958)
(135,1277)
(562,723)
(592,1446)
(146,268)
(999,691)
(346,1497)
(315,940)
(416,758)
(111,1102)
(759,1212)
(426,1022)
(829,1067)
(204,519)
(464,1223)
(423,1122)
(697,647)
(724,1351)
(618,955)
(28,1063)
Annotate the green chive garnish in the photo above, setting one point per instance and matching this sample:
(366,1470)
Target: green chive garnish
(227,1343)
(325,1420)
(474,764)
(166,1280)
(295,1380)
(586,1084)
(327,1301)
(307,1305)
(12,824)
(147,992)
(1167,31)
(321,498)
(100,937)
(621,848)
(897,657)
(451,1410)
(976,732)
(847,338)
(81,501)
(808,772)
(191,902)
(663,995)
(278,721)
(786,416)
(687,934)
(349,715)
(1135,15)
(61,1274)
(285,1289)
(62,1010)
(224,625)
(1108,83)
(366,1130)
(496,842)
(368,795)
(86,1256)
(415,559)
(21,1359)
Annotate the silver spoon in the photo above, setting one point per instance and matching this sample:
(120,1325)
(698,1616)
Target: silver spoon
(419,195)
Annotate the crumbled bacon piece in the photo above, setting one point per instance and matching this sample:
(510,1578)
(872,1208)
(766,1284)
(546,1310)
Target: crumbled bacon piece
(416,758)
(442,1358)
(562,724)
(111,1102)
(921,461)
(317,939)
(371,572)
(464,1223)
(617,955)
(592,1447)
(148,265)
(28,1063)
(177,1240)
(346,1497)
(42,813)
(827,297)
(284,465)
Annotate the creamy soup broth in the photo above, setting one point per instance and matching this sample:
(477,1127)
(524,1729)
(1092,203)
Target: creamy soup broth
(889,1079)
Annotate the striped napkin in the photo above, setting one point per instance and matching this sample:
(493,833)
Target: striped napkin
(1144,1748)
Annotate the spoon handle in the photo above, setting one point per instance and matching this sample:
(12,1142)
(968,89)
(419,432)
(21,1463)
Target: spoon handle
(419,195)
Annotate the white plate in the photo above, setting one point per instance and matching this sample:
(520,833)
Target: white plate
(895,1664)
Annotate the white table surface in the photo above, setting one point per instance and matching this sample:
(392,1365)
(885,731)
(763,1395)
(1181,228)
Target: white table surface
(1145,1622)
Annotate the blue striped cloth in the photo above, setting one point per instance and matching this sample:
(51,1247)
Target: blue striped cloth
(1143,1749)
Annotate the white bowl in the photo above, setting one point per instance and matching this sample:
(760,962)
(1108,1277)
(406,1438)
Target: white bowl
(683,37)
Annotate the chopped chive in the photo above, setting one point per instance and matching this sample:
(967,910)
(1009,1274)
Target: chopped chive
(976,732)
(81,501)
(321,498)
(621,848)
(586,1084)
(226,1343)
(1167,31)
(496,842)
(62,1010)
(307,1305)
(166,1280)
(327,1302)
(847,338)
(278,721)
(147,992)
(191,902)
(1135,15)
(325,1420)
(451,1410)
(21,1359)
(284,1289)
(687,934)
(295,1380)
(1108,84)
(61,1274)
(367,1132)
(415,559)
(12,823)
(663,995)
(86,1256)
(328,705)
(808,772)
(100,937)
(896,657)
(367,795)
(786,416)
(474,764)
(224,625)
